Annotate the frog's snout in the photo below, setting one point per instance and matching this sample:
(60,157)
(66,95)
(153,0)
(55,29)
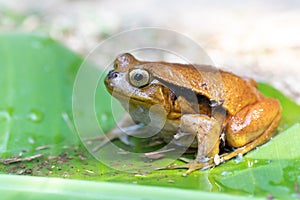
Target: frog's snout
(112,74)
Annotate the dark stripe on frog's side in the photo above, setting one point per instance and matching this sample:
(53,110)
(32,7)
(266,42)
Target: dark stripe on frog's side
(173,96)
(202,102)
(225,87)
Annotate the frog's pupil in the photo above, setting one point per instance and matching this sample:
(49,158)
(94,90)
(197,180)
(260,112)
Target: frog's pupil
(138,77)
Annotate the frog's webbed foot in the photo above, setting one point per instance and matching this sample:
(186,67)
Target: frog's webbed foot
(192,165)
(105,139)
(121,134)
(128,128)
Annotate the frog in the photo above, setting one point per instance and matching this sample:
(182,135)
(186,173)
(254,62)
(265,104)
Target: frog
(225,113)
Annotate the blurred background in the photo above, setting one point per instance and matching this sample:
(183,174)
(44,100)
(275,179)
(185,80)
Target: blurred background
(259,39)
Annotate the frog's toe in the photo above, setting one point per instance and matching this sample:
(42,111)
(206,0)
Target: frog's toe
(103,140)
(192,165)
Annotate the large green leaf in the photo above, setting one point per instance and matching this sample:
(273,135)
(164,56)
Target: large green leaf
(36,78)
(36,82)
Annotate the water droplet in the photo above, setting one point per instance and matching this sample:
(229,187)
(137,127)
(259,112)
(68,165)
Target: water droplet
(35,115)
(104,117)
(4,116)
(250,164)
(31,140)
(239,158)
(225,173)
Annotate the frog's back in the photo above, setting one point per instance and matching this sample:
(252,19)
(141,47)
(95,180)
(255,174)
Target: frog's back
(239,92)
(221,86)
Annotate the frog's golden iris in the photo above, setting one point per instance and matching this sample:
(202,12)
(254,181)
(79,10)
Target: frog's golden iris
(139,77)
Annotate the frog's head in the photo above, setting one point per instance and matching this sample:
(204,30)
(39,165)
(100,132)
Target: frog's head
(133,84)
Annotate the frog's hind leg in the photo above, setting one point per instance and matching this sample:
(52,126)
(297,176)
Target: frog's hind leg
(274,113)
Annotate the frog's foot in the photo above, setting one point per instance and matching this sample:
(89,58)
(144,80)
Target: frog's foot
(191,165)
(105,139)
(116,133)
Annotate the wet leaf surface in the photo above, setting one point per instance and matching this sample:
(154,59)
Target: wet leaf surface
(36,82)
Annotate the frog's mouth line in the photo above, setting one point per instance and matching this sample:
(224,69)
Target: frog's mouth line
(121,96)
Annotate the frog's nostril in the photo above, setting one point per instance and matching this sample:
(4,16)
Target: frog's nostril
(112,74)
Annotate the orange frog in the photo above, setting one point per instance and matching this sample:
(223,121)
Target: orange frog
(220,110)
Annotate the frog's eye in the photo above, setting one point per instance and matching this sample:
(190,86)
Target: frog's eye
(139,77)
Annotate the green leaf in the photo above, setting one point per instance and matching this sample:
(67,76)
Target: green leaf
(273,167)
(36,79)
(284,146)
(36,82)
(290,109)
(55,188)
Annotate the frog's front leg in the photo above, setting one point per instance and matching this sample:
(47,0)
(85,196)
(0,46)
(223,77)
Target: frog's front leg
(207,132)
(122,130)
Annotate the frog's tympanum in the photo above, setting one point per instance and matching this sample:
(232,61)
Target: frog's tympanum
(226,113)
